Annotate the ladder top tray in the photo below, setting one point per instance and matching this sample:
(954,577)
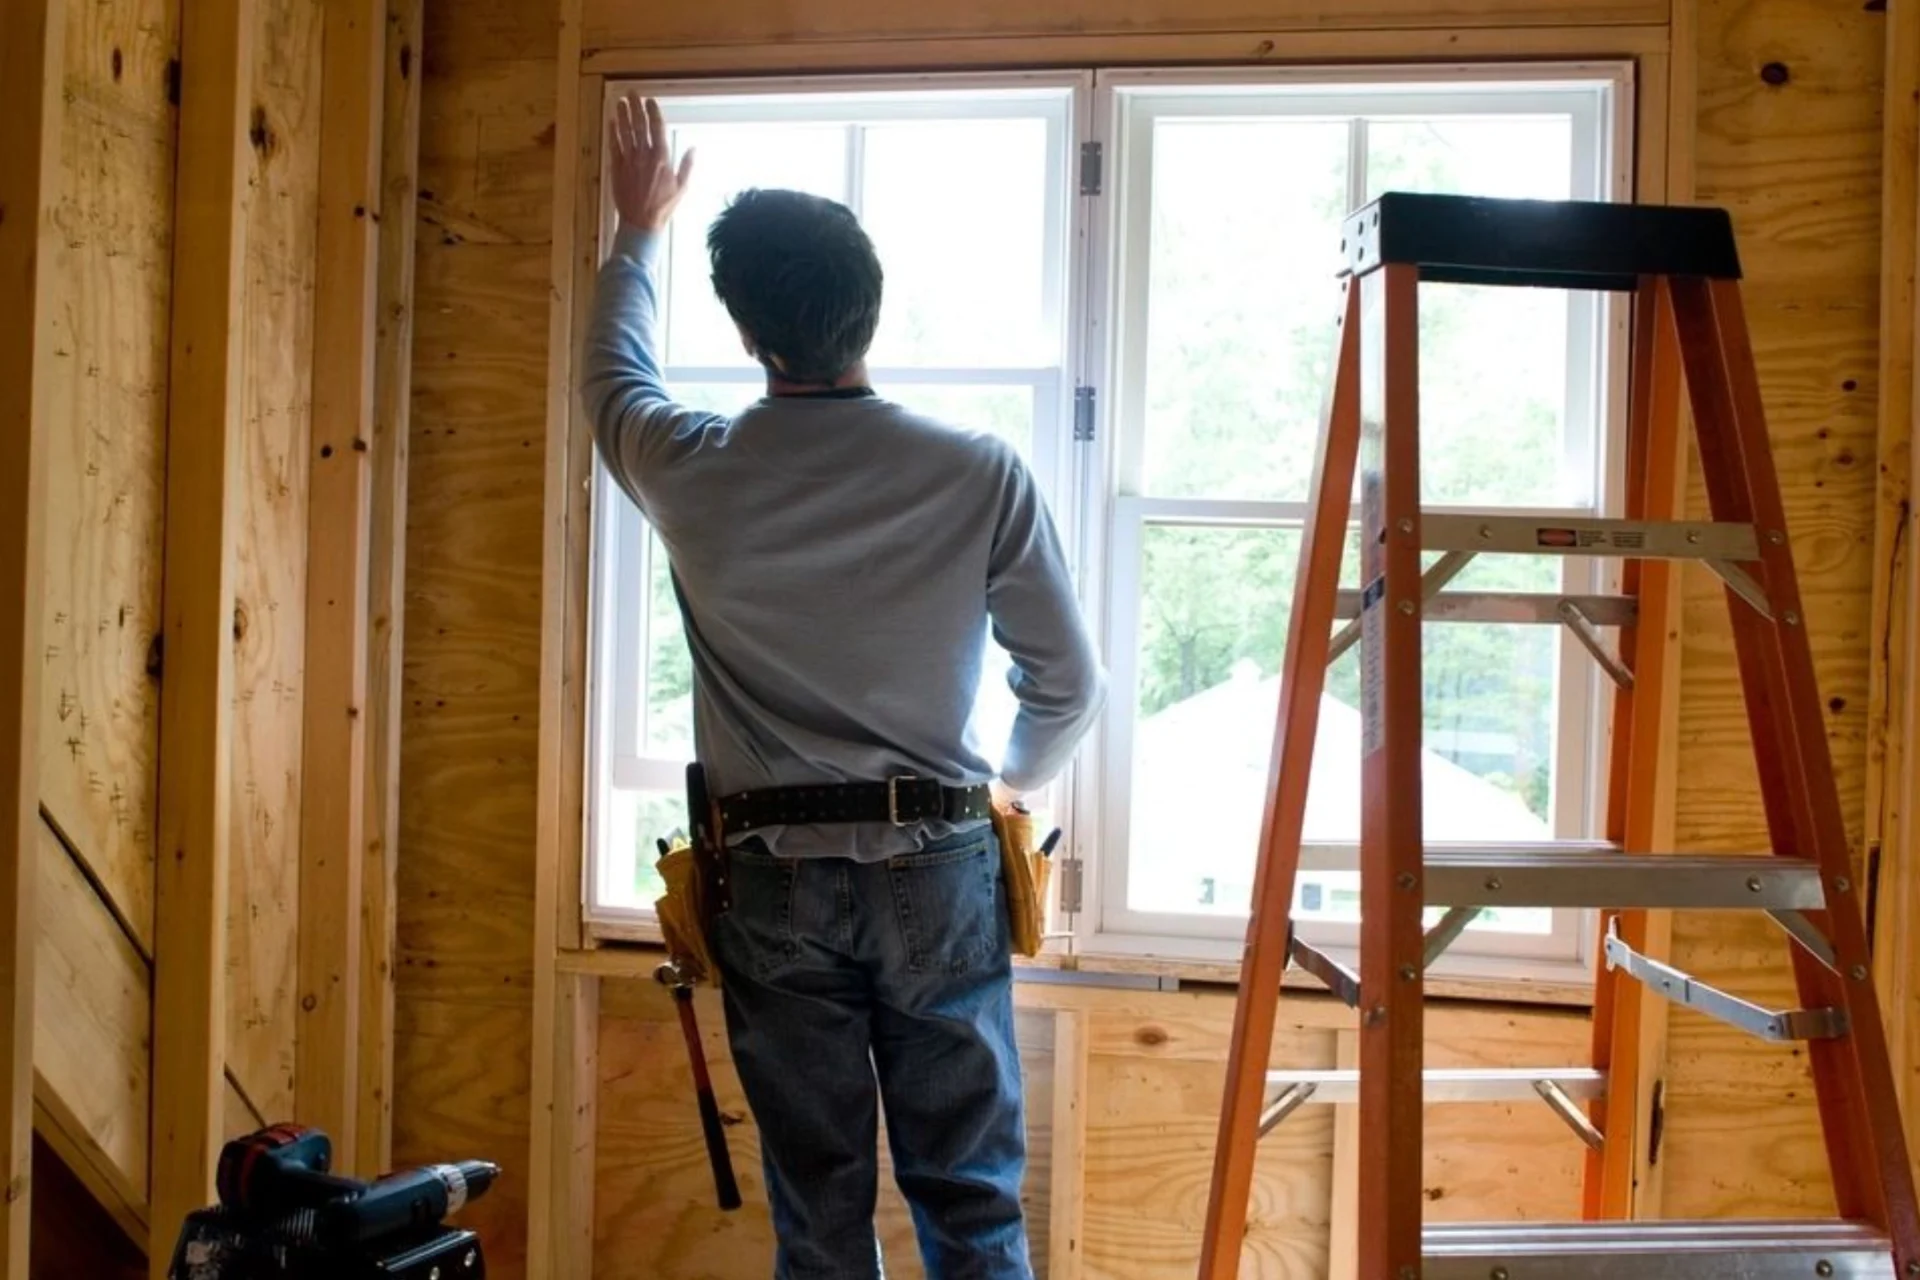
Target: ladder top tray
(1549,244)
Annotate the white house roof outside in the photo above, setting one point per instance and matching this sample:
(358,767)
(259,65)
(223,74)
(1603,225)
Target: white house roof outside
(1200,782)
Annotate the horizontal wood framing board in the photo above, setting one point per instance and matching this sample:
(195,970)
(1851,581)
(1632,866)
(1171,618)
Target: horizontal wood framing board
(608,24)
(1253,45)
(635,952)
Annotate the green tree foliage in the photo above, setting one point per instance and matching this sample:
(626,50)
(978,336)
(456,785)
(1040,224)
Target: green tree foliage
(1239,349)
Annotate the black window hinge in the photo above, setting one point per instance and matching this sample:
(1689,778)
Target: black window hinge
(1092,161)
(1083,409)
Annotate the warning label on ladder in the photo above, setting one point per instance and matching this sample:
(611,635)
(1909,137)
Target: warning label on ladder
(1557,537)
(1373,666)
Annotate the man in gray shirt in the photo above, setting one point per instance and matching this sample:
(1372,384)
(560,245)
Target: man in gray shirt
(839,562)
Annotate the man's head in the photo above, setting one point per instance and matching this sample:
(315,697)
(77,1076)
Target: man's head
(800,278)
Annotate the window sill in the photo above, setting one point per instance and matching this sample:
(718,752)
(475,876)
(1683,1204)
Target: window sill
(631,949)
(1554,991)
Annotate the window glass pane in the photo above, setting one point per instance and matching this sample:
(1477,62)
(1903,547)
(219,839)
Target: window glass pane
(716,397)
(732,158)
(1493,362)
(1493,398)
(669,668)
(637,819)
(1007,412)
(1214,606)
(1334,896)
(1242,296)
(1515,157)
(957,210)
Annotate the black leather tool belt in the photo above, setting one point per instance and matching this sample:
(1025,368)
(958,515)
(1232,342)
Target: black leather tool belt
(901,801)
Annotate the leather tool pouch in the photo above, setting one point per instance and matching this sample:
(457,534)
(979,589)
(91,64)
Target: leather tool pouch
(1026,873)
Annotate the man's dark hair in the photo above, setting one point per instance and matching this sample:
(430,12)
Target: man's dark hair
(799,275)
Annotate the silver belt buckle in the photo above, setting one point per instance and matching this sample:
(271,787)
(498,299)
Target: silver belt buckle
(893,796)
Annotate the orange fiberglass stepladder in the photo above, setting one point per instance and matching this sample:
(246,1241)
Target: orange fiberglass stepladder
(1681,266)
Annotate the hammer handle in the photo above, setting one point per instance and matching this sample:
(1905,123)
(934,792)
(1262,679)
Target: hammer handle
(717,1153)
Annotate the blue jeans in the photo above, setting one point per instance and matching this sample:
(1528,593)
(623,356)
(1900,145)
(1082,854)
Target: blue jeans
(850,985)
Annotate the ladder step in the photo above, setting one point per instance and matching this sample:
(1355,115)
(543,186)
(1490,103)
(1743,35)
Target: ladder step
(1471,1084)
(1718,1250)
(1586,876)
(1320,855)
(1562,536)
(1514,608)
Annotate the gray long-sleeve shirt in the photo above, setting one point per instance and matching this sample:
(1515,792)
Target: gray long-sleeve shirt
(838,563)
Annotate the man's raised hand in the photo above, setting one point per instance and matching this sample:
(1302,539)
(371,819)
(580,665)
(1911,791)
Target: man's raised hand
(646,184)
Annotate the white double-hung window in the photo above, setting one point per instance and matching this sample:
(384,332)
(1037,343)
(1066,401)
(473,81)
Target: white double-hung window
(1133,276)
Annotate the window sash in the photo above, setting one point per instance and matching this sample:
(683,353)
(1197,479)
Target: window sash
(1127,104)
(622,548)
(1577,747)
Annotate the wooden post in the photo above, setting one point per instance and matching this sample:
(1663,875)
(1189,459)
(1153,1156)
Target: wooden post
(332,817)
(386,572)
(1067,1198)
(1894,700)
(565,1005)
(31,65)
(196,694)
(1343,1209)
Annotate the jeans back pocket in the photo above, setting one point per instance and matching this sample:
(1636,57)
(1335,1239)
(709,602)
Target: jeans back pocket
(948,902)
(756,934)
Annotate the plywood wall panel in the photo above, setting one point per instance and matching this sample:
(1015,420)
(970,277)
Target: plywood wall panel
(1153,1088)
(486,152)
(659,1213)
(1798,166)
(470,705)
(653,1197)
(473,547)
(112,283)
(270,584)
(462,1077)
(1150,1134)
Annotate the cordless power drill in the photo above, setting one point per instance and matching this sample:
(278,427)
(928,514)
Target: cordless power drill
(283,1215)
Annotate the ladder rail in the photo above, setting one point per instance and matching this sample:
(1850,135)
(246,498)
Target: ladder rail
(1629,1030)
(1392,946)
(1303,677)
(1853,1076)
(1785,789)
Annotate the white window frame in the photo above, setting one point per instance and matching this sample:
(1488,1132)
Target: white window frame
(622,547)
(1124,101)
(1087,489)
